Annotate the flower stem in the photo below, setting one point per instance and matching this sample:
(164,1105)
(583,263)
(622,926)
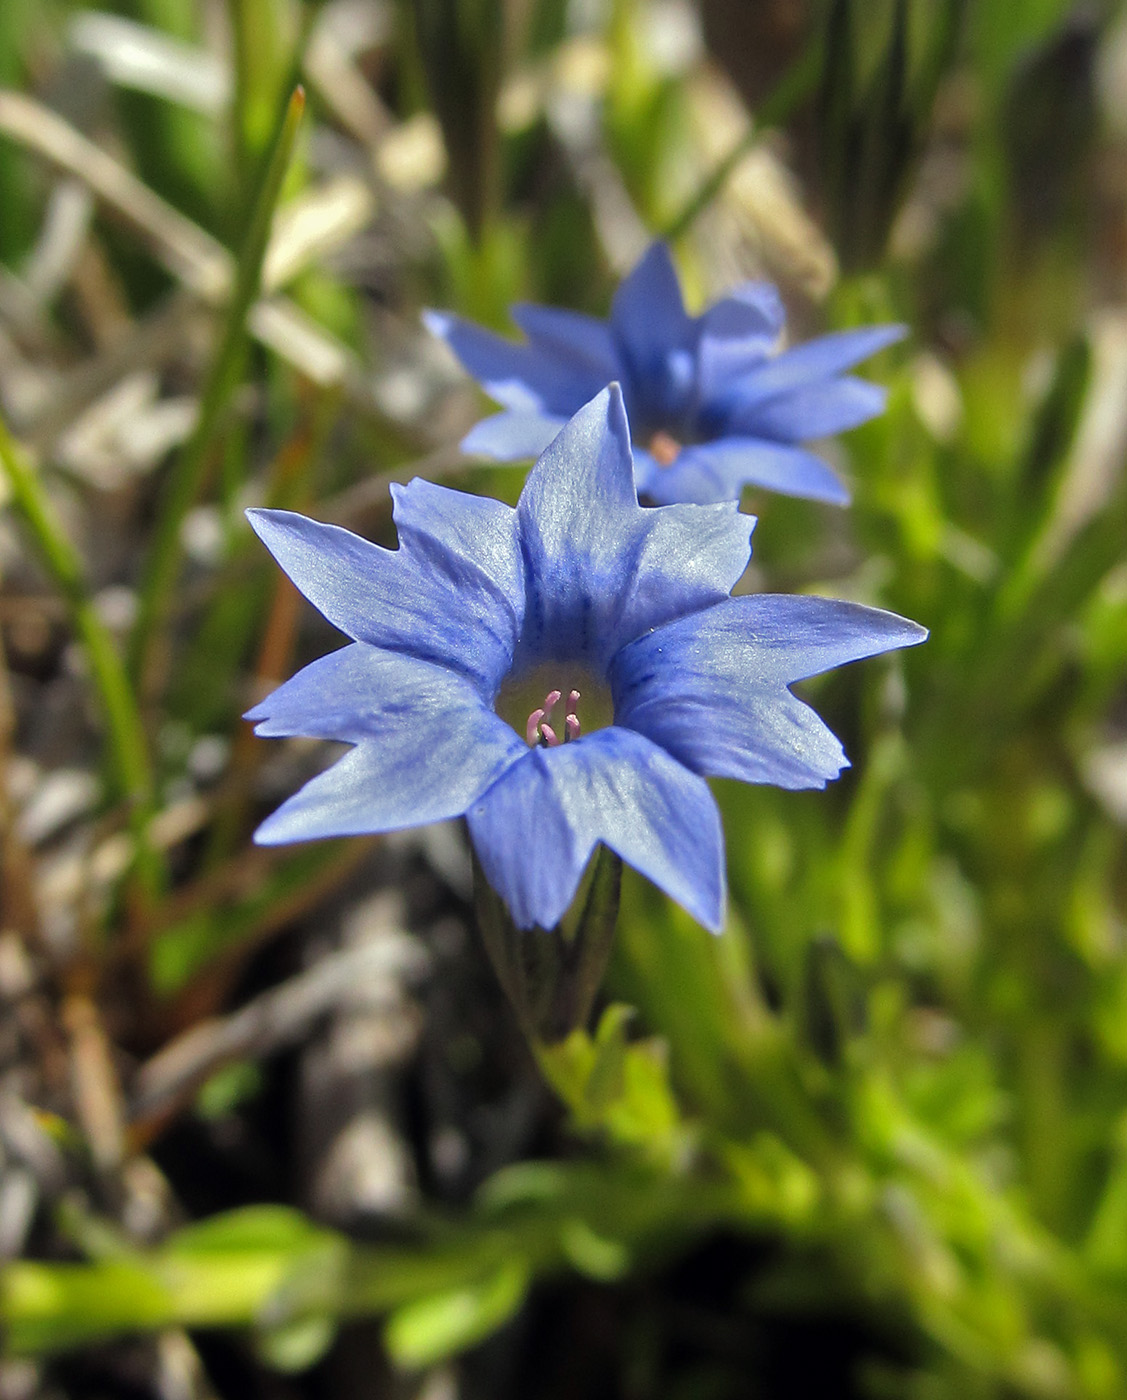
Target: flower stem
(552,978)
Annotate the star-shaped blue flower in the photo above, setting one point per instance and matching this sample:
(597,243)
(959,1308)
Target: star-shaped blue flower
(713,404)
(467,638)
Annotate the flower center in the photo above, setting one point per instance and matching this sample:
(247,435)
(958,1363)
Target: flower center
(537,705)
(664,448)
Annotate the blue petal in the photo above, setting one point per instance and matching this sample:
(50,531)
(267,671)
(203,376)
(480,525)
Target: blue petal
(513,435)
(752,308)
(535,829)
(815,411)
(360,692)
(736,335)
(471,540)
(455,614)
(718,471)
(518,376)
(712,688)
(647,314)
(600,569)
(427,747)
(817,360)
(646,469)
(656,343)
(570,333)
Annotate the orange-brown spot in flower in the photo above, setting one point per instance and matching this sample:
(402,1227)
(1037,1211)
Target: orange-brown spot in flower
(664,449)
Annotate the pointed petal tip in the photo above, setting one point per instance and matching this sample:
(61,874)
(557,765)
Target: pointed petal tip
(659,252)
(607,410)
(439,323)
(717,923)
(467,445)
(878,337)
(265,834)
(613,408)
(616,407)
(267,523)
(401,492)
(897,632)
(901,631)
(273,832)
(892,631)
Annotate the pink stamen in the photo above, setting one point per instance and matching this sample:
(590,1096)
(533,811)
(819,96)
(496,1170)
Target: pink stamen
(539,731)
(532,728)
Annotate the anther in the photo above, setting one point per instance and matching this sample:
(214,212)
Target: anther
(539,731)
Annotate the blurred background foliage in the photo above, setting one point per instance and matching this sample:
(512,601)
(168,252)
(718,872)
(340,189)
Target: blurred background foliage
(266,1125)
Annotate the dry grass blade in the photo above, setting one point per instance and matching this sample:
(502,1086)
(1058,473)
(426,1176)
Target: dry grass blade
(136,56)
(182,247)
(18,907)
(192,256)
(340,31)
(150,341)
(94,1083)
(272,1020)
(317,222)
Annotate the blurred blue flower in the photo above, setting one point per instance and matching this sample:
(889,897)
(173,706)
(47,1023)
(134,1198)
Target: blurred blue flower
(469,636)
(713,404)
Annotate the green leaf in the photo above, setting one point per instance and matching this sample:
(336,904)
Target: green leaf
(251,1229)
(423,1333)
(593,1254)
(295,1346)
(617,1088)
(607,1076)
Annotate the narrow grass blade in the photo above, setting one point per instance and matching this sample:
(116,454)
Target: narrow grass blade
(796,84)
(128,760)
(189,471)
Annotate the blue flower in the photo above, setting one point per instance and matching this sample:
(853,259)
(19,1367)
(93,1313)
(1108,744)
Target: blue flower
(713,404)
(467,638)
